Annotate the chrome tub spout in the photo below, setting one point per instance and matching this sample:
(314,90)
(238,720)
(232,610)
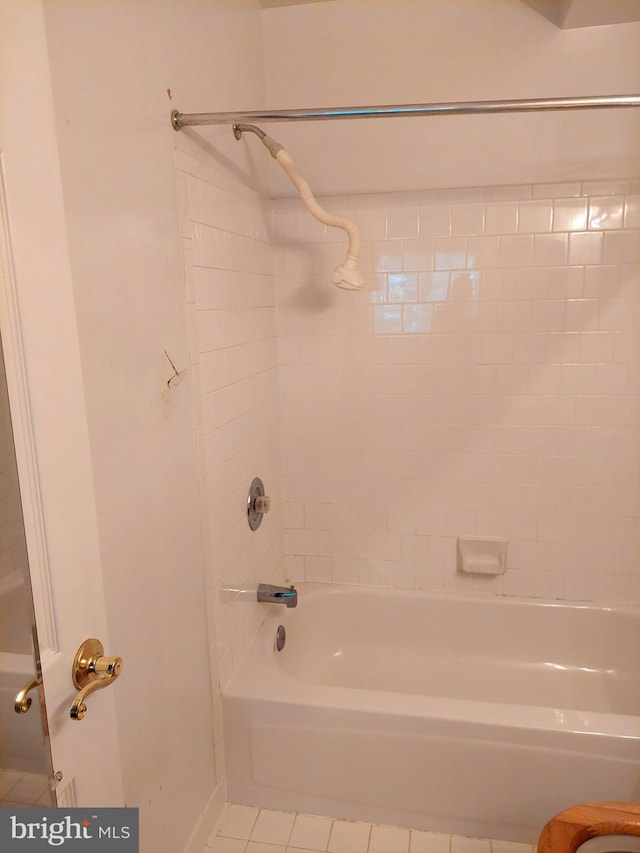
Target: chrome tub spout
(278,594)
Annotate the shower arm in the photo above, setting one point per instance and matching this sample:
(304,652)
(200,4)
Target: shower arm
(239,129)
(346,274)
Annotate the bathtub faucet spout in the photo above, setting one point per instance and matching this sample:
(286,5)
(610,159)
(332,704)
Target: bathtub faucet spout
(278,594)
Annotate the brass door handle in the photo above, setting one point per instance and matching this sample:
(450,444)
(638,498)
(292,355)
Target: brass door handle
(24,702)
(91,671)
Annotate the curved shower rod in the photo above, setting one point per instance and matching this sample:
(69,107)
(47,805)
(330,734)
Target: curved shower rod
(180,120)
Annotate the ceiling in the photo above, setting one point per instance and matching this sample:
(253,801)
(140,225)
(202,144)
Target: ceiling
(563,13)
(587,13)
(270,4)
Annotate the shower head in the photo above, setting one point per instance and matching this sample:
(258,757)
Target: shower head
(346,275)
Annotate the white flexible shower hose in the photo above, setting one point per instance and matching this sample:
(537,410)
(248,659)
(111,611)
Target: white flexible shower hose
(346,275)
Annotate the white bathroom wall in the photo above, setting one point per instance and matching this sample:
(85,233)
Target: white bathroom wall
(484,382)
(117,69)
(359,52)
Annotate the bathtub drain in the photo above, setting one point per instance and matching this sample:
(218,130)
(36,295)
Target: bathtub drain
(281,638)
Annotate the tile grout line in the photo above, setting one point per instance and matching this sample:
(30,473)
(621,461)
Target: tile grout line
(487,844)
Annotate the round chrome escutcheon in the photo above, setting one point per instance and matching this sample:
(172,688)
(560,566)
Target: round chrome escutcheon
(281,638)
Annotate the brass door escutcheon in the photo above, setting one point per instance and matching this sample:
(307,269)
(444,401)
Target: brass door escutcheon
(91,671)
(22,701)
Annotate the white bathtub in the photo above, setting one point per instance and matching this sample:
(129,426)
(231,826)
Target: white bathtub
(461,714)
(22,743)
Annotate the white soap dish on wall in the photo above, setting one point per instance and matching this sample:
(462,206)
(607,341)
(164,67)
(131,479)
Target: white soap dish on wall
(482,555)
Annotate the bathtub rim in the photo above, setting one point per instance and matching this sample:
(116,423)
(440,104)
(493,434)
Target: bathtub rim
(315,589)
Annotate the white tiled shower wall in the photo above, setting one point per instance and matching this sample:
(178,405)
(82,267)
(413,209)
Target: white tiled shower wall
(234,366)
(486,381)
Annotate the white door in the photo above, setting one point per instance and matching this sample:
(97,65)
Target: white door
(37,324)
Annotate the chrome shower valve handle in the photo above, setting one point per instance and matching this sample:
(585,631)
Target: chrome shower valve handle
(258,504)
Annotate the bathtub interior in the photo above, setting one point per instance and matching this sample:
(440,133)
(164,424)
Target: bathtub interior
(548,654)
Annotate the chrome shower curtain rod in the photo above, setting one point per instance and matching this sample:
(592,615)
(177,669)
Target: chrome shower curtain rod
(180,120)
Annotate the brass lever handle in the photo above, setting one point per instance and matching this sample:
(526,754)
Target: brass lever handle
(92,671)
(24,702)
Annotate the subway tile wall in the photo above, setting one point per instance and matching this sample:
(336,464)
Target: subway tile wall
(486,381)
(228,258)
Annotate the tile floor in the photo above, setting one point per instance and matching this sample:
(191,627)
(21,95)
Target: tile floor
(243,829)
(18,790)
